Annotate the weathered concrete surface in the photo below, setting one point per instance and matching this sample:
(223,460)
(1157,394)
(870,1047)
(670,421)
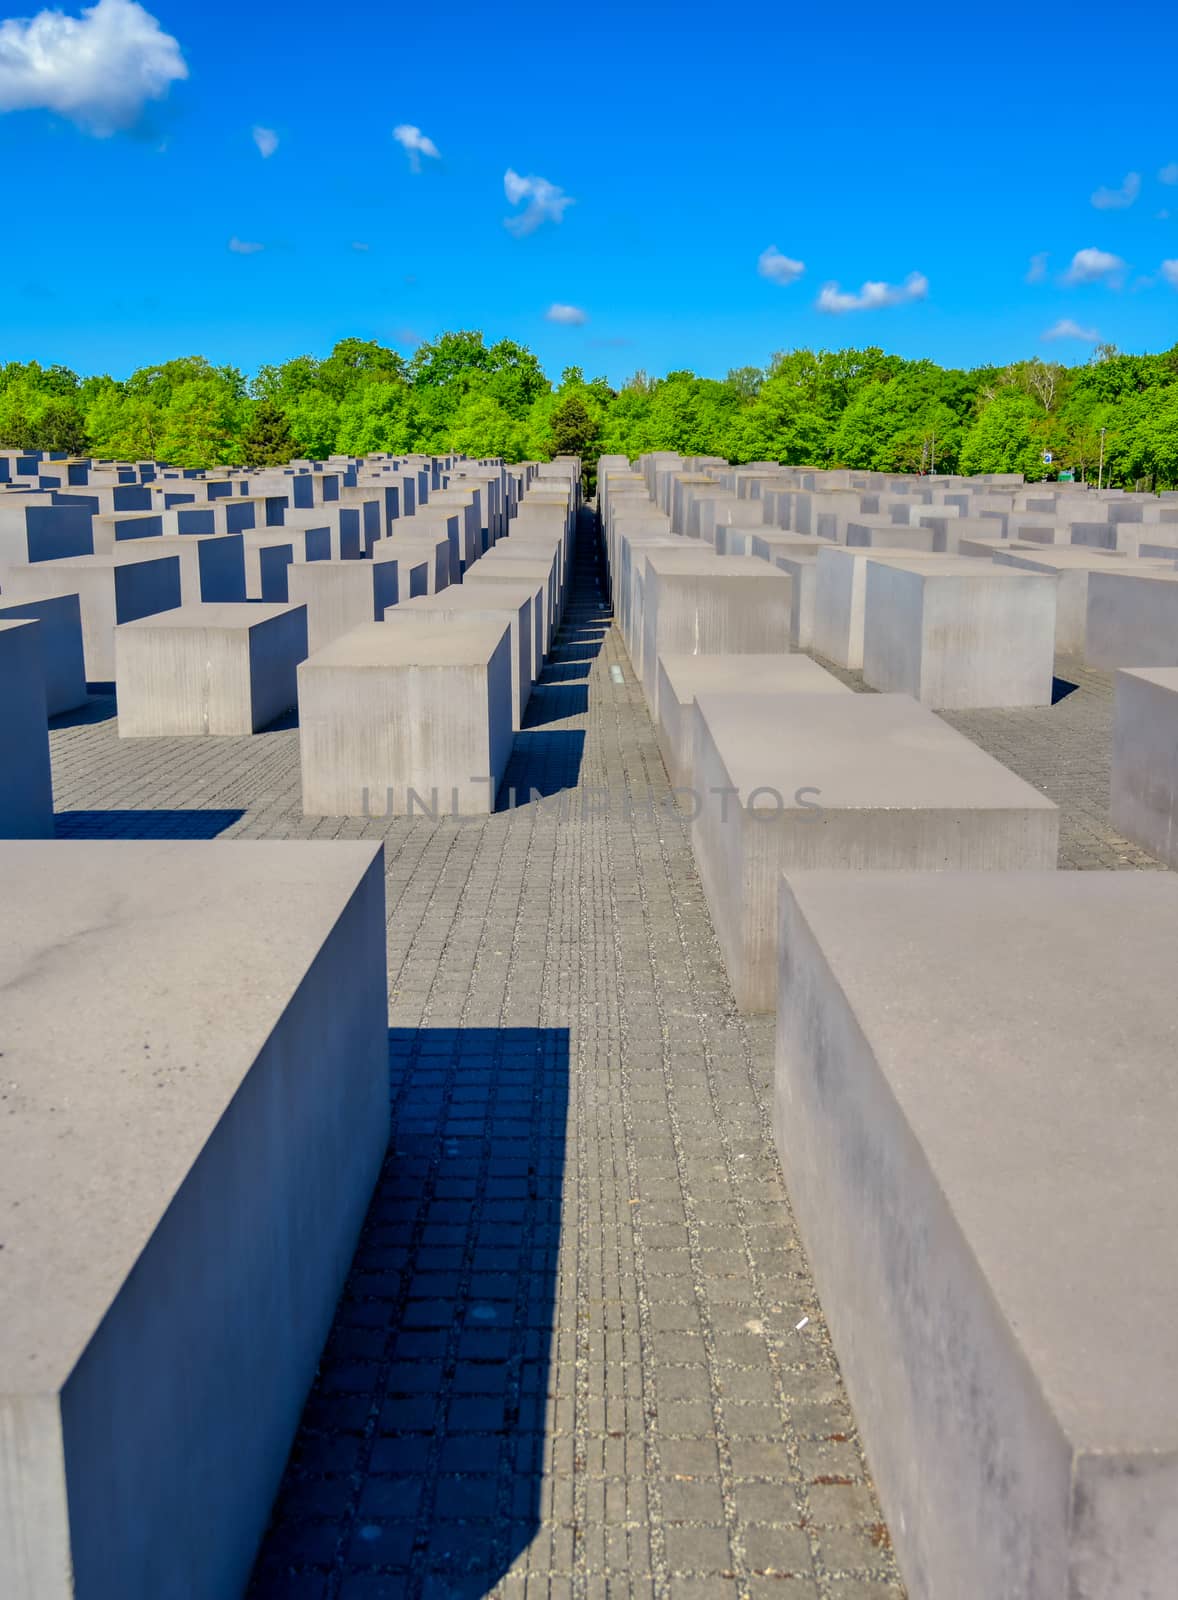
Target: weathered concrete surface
(956,634)
(498,604)
(697,603)
(340,595)
(196,1109)
(944,1126)
(1133,619)
(795,782)
(26,784)
(222,669)
(409,716)
(1145,759)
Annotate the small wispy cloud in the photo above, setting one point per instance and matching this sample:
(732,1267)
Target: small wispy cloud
(872,296)
(267,142)
(244,247)
(98,70)
(1169,271)
(1169,174)
(1096,266)
(569,316)
(777,268)
(407,336)
(415,145)
(547,202)
(1037,271)
(1065,328)
(358,244)
(1118,199)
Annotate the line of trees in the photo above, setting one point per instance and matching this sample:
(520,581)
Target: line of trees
(853,408)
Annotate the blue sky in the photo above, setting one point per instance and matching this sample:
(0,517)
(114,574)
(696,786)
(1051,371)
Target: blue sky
(930,152)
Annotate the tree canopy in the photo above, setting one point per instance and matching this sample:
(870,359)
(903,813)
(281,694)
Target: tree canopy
(852,408)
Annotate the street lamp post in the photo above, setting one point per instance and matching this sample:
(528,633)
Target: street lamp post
(1100,477)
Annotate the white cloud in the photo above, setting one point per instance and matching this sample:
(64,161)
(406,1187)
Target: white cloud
(1095,266)
(570,316)
(1118,199)
(98,70)
(415,144)
(1037,270)
(1065,328)
(244,247)
(267,141)
(358,244)
(1169,174)
(872,296)
(777,268)
(1169,271)
(546,202)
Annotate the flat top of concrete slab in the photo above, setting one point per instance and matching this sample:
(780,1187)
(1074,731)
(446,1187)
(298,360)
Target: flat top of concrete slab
(753,674)
(10,626)
(1161,574)
(411,643)
(458,601)
(227,615)
(129,550)
(140,982)
(1163,677)
(1068,557)
(877,552)
(954,566)
(1027,1025)
(697,561)
(510,567)
(865,752)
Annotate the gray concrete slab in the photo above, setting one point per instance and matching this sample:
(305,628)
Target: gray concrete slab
(404,717)
(339,595)
(794,782)
(974,1106)
(954,633)
(193,1124)
(483,603)
(682,678)
(1133,619)
(215,669)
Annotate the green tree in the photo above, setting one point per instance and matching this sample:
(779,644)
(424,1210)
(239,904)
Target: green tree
(267,440)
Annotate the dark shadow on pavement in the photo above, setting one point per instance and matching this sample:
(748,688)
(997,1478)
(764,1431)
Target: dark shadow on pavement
(1060,689)
(99,708)
(144,824)
(418,1462)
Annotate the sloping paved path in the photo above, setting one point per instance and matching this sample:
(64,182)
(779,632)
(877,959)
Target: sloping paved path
(566,1362)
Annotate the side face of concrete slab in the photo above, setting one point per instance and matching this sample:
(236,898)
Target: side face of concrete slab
(1145,760)
(184,1173)
(26,784)
(227,669)
(941,1159)
(406,719)
(1132,620)
(60,618)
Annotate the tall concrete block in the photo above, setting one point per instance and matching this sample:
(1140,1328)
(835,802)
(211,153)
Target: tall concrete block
(217,669)
(1133,619)
(62,659)
(955,633)
(483,603)
(682,678)
(196,1066)
(26,782)
(962,1069)
(111,589)
(803,781)
(700,604)
(339,595)
(1145,759)
(401,719)
(840,591)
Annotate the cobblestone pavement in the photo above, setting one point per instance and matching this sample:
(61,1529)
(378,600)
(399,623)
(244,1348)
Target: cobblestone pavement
(567,1360)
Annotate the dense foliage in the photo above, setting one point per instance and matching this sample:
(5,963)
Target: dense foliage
(855,408)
